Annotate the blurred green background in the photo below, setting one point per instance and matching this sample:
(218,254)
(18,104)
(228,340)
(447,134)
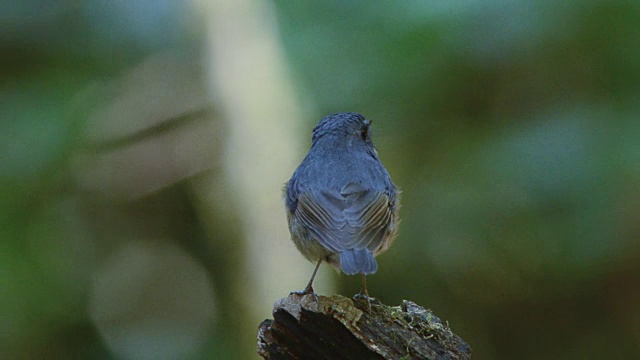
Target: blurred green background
(144,145)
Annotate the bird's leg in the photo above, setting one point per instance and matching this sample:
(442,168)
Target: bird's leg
(363,294)
(309,289)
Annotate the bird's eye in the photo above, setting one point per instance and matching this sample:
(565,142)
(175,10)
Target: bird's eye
(364,133)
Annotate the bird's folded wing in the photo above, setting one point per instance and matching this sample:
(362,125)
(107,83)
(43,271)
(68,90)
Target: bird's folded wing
(352,218)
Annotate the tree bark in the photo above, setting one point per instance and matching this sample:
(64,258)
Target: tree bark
(337,327)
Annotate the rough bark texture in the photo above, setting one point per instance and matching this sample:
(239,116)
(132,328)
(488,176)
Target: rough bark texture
(341,328)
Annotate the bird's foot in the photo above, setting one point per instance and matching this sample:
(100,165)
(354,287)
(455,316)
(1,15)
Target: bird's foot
(306,291)
(363,295)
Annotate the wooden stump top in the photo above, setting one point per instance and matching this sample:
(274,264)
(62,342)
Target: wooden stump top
(337,327)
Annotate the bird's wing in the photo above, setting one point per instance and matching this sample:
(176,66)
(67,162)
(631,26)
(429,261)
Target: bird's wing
(352,218)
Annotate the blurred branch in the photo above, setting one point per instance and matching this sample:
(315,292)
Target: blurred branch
(341,328)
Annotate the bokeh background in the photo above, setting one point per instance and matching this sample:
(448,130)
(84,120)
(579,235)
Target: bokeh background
(144,145)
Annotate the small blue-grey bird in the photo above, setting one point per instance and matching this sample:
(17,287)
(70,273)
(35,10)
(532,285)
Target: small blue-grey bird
(341,204)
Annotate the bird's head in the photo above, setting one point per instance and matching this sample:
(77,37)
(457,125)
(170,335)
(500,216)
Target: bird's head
(351,126)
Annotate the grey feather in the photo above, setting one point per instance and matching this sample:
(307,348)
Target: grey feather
(342,196)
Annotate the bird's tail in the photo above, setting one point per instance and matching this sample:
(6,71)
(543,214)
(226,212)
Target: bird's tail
(358,261)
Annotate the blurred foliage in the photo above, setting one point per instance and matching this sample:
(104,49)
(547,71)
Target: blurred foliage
(511,127)
(515,140)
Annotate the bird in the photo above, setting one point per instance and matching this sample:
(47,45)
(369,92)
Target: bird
(342,207)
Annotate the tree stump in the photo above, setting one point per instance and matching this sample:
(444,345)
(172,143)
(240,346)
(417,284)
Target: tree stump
(337,327)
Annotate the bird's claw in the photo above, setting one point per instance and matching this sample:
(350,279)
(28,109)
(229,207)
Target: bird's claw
(306,291)
(362,295)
